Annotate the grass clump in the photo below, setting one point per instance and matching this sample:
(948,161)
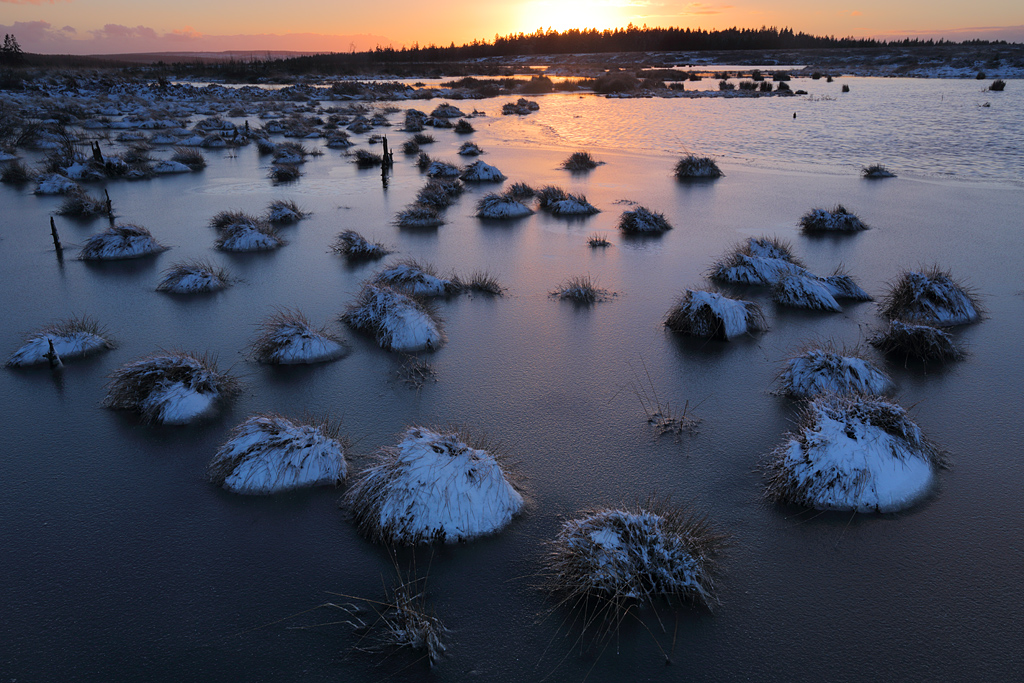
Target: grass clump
(464,127)
(919,342)
(694,167)
(120,242)
(82,205)
(930,297)
(836,219)
(643,221)
(246,237)
(16,173)
(875,171)
(709,314)
(598,240)
(194,277)
(227,218)
(364,158)
(581,290)
(580,161)
(824,368)
(284,173)
(418,216)
(440,193)
(397,321)
(288,338)
(74,337)
(998,85)
(285,211)
(482,282)
(355,247)
(189,156)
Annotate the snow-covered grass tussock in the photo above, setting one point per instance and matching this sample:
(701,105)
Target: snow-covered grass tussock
(288,338)
(853,453)
(582,290)
(55,183)
(284,173)
(800,291)
(120,242)
(225,219)
(757,261)
(194,277)
(702,313)
(480,172)
(822,369)
(930,297)
(836,219)
(580,161)
(285,211)
(610,560)
(189,156)
(418,216)
(72,338)
(692,166)
(558,202)
(876,171)
(921,342)
(440,193)
(366,159)
(842,286)
(355,247)
(501,206)
(643,221)
(270,454)
(242,237)
(435,485)
(82,205)
(414,278)
(170,387)
(397,321)
(440,169)
(470,149)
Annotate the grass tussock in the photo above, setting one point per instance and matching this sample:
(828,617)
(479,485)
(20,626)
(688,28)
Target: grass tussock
(121,242)
(930,296)
(364,158)
(597,240)
(82,205)
(193,277)
(288,338)
(580,161)
(874,171)
(355,247)
(285,211)
(836,219)
(692,167)
(607,563)
(464,127)
(581,290)
(643,221)
(227,218)
(74,337)
(998,85)
(284,173)
(16,173)
(709,314)
(440,193)
(520,191)
(482,282)
(918,342)
(189,156)
(418,216)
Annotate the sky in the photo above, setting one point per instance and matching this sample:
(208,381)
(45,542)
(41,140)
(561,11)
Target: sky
(118,26)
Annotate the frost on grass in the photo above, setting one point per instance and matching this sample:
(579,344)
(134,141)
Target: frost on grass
(271,454)
(243,237)
(440,193)
(82,205)
(54,183)
(190,157)
(842,286)
(355,247)
(701,313)
(440,169)
(876,171)
(435,485)
(800,291)
(853,453)
(758,261)
(822,369)
(580,161)
(418,216)
(170,388)
(836,219)
(479,172)
(502,206)
(558,202)
(120,242)
(692,166)
(643,221)
(921,342)
(581,290)
(470,149)
(417,279)
(930,297)
(288,338)
(609,561)
(71,338)
(396,321)
(285,211)
(194,277)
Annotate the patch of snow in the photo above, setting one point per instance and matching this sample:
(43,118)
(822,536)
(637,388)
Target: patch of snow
(398,322)
(820,371)
(120,242)
(55,183)
(501,206)
(70,345)
(480,172)
(165,167)
(799,291)
(754,270)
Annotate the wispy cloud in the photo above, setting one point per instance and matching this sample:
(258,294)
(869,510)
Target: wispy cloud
(699,8)
(1013,34)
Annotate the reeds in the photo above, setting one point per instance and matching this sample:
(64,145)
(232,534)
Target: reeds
(581,290)
(189,156)
(580,161)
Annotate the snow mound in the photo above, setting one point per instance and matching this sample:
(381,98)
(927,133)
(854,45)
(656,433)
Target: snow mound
(288,338)
(842,286)
(433,486)
(355,247)
(418,216)
(823,370)
(470,149)
(166,167)
(700,313)
(479,172)
(853,453)
(270,454)
(572,205)
(170,388)
(194,277)
(283,211)
(767,247)
(837,219)
(412,278)
(398,322)
(923,342)
(501,206)
(799,291)
(930,298)
(247,236)
(755,270)
(55,183)
(120,242)
(625,557)
(73,338)
(642,220)
(443,169)
(447,111)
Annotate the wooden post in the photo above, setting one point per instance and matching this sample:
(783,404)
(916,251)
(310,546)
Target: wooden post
(386,163)
(51,355)
(56,240)
(96,153)
(110,207)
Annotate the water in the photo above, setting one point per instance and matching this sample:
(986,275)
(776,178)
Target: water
(122,563)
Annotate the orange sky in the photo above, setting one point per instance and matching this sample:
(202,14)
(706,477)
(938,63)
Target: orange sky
(105,26)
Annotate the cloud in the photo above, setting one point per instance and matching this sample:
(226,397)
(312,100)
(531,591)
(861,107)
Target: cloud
(33,2)
(1012,34)
(699,8)
(42,37)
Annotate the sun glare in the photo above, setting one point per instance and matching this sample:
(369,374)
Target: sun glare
(565,14)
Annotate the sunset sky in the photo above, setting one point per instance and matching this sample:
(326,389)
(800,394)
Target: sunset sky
(111,26)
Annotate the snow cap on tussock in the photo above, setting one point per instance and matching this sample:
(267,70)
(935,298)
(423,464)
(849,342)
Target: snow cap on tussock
(441,169)
(194,277)
(800,291)
(418,216)
(629,556)
(170,387)
(397,321)
(757,261)
(501,206)
(411,277)
(288,338)
(692,166)
(285,211)
(853,453)
(836,219)
(642,220)
(355,247)
(930,297)
(922,342)
(842,286)
(71,338)
(702,313)
(440,193)
(470,149)
(480,172)
(243,237)
(823,369)
(54,183)
(270,454)
(120,242)
(434,485)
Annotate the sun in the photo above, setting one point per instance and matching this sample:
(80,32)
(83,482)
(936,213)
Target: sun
(565,14)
